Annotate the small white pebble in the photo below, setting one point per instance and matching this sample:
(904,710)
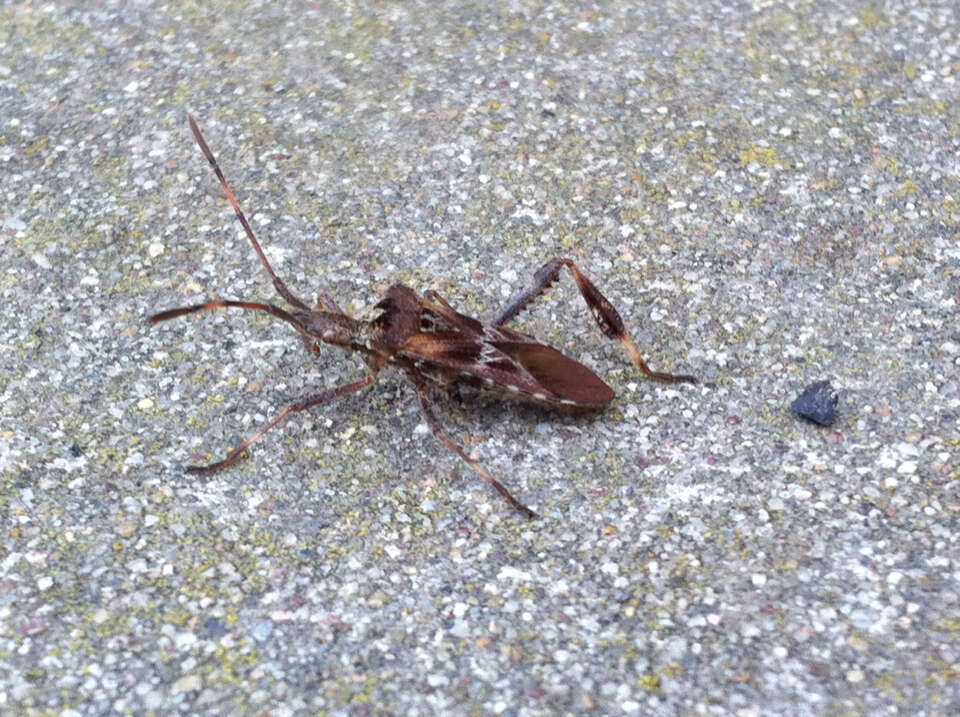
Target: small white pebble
(855,676)
(437,680)
(41,260)
(188,683)
(511,573)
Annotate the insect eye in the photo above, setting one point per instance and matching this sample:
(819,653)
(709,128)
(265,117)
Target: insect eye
(333,336)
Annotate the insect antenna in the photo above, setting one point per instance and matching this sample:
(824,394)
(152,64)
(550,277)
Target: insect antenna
(277,281)
(251,305)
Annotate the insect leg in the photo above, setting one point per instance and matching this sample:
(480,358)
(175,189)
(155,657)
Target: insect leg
(423,393)
(603,312)
(303,404)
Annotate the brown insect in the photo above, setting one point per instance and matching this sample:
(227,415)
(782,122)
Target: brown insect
(435,346)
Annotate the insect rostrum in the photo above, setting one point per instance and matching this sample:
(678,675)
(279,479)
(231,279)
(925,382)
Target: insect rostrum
(435,346)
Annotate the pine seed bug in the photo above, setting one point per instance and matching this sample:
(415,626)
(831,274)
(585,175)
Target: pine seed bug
(435,346)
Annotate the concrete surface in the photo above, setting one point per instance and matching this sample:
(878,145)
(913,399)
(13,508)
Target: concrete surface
(767,191)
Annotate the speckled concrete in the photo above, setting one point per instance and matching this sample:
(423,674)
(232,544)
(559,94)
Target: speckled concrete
(767,191)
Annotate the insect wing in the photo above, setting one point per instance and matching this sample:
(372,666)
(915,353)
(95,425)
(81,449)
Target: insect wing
(524,367)
(562,377)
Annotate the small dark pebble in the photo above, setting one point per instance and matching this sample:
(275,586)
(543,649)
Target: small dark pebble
(818,402)
(215,627)
(819,669)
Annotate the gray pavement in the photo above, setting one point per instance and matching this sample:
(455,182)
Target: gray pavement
(767,191)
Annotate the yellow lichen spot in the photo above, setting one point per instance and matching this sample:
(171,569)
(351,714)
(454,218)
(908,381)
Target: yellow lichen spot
(909,187)
(673,670)
(649,682)
(767,156)
(872,18)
